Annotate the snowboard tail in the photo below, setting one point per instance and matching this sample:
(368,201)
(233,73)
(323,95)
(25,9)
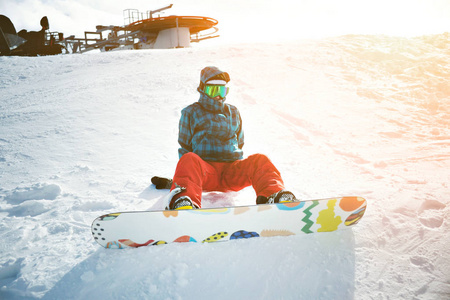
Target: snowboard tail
(138,229)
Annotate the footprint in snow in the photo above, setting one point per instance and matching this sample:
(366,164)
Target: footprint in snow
(431,213)
(35,192)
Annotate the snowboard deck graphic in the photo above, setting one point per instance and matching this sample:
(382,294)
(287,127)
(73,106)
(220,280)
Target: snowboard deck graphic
(143,228)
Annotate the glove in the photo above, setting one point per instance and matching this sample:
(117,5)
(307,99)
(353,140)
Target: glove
(162,183)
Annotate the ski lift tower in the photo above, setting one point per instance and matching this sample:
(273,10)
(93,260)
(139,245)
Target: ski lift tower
(167,32)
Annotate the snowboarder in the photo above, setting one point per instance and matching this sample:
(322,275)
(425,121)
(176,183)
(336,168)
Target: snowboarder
(211,156)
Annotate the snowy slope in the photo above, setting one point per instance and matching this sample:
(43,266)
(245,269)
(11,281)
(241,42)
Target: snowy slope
(81,135)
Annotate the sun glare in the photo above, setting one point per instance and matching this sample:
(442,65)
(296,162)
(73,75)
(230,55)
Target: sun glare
(305,19)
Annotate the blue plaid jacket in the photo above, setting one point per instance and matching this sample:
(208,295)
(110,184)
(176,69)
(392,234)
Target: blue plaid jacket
(211,128)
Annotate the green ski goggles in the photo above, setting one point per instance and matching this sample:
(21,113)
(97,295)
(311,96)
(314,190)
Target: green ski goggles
(216,90)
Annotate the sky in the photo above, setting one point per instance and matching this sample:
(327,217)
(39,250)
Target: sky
(247,20)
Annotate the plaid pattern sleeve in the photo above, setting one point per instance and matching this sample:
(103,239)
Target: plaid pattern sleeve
(184,135)
(240,133)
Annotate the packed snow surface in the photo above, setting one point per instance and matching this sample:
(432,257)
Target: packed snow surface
(81,136)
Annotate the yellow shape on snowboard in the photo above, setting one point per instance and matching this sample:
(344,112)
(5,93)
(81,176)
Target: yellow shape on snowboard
(328,219)
(216,237)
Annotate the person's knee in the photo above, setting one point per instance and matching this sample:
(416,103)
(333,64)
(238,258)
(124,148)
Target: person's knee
(259,158)
(190,156)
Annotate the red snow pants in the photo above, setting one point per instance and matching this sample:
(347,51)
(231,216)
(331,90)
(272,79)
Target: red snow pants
(197,175)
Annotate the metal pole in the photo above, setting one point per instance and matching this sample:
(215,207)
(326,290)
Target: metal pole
(178,35)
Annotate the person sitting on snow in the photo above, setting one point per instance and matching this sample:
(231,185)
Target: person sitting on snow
(211,156)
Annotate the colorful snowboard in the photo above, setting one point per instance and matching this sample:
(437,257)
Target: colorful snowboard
(136,229)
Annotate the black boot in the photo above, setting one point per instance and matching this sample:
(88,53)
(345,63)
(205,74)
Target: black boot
(282,196)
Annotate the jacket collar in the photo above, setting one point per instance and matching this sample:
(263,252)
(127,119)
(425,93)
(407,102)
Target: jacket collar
(210,104)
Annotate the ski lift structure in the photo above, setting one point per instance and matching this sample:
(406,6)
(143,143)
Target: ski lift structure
(28,43)
(145,31)
(140,31)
